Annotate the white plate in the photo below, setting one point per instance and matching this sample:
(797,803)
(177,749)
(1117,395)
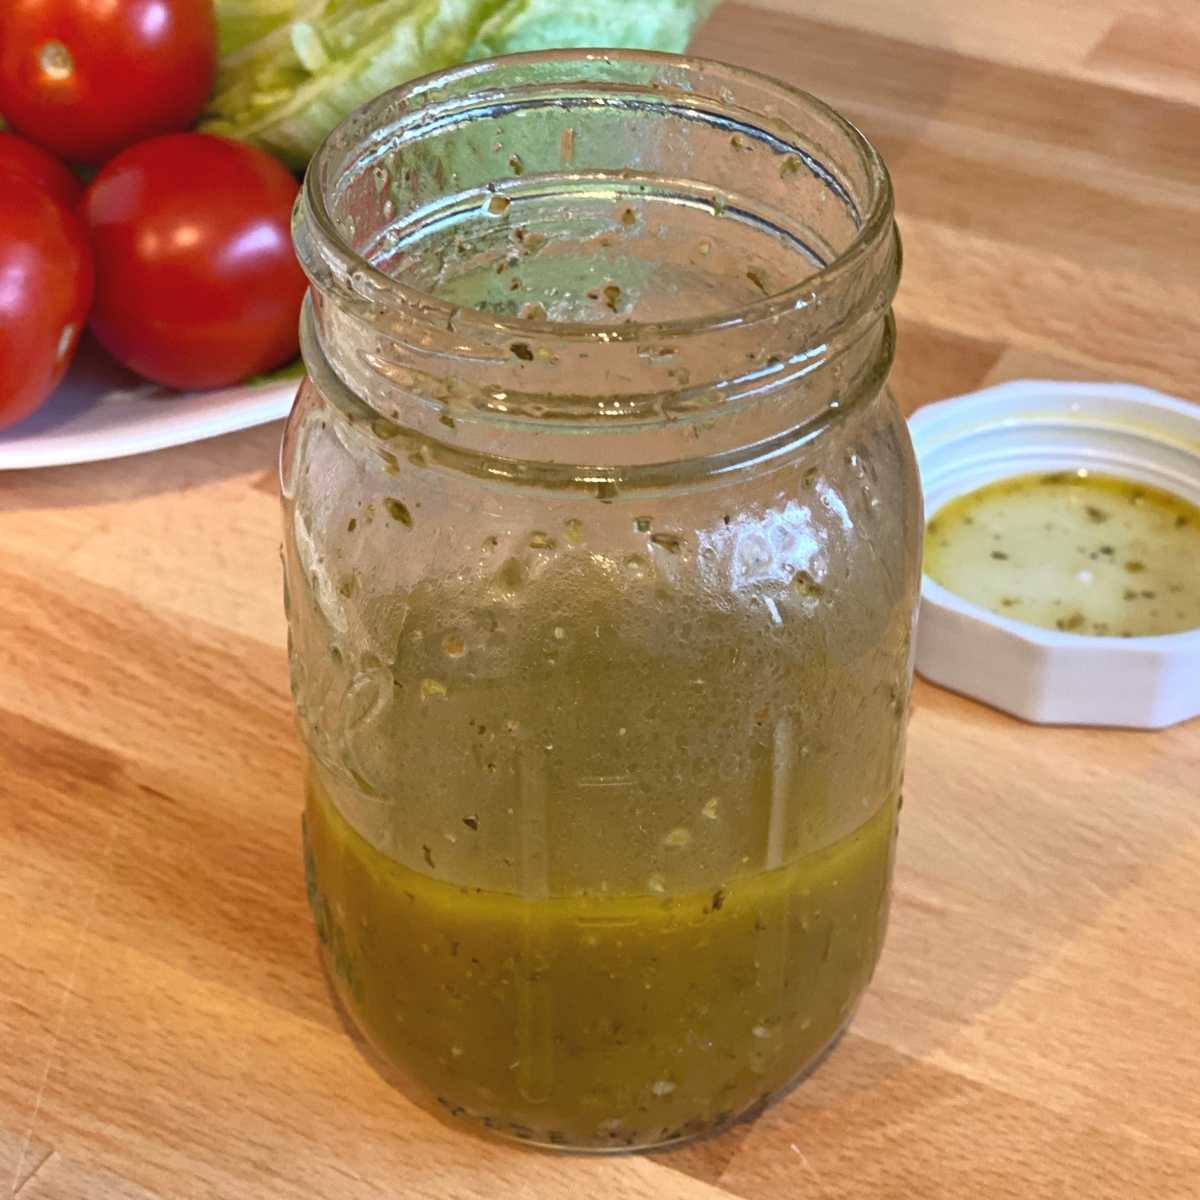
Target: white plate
(103,411)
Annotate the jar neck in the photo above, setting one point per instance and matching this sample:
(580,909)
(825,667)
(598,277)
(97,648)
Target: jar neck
(755,223)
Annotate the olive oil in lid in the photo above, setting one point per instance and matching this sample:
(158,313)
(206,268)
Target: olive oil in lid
(1062,566)
(1076,551)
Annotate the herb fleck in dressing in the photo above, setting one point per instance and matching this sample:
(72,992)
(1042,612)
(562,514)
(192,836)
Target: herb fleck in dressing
(1072,551)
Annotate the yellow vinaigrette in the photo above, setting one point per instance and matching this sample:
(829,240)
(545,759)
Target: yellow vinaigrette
(1073,551)
(599,1020)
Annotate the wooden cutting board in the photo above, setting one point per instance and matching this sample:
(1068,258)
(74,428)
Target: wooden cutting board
(1032,1032)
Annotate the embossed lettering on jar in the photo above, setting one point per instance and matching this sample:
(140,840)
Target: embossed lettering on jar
(602,551)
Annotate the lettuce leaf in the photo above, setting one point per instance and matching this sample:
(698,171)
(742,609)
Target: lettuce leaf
(626,24)
(292,69)
(240,22)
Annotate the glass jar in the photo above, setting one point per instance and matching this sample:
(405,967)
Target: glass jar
(602,552)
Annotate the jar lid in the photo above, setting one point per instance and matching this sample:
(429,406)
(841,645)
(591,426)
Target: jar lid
(1050,675)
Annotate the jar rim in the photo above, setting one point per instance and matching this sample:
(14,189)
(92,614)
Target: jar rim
(407,101)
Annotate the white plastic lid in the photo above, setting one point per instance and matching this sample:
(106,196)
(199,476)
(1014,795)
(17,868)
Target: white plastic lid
(1045,675)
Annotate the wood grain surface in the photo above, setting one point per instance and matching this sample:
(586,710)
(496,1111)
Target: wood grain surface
(165,1030)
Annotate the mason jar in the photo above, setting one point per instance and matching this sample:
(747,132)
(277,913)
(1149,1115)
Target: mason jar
(602,552)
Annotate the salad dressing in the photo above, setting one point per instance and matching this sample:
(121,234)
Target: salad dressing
(1074,551)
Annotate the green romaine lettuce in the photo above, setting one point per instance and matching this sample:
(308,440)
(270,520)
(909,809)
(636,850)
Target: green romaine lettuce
(292,69)
(240,22)
(628,24)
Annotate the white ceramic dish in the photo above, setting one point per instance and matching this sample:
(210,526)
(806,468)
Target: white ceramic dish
(103,411)
(1044,675)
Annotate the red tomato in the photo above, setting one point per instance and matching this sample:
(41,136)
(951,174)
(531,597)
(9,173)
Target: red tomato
(197,285)
(19,157)
(45,289)
(85,78)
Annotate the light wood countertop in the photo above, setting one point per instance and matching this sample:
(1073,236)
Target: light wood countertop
(165,1029)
